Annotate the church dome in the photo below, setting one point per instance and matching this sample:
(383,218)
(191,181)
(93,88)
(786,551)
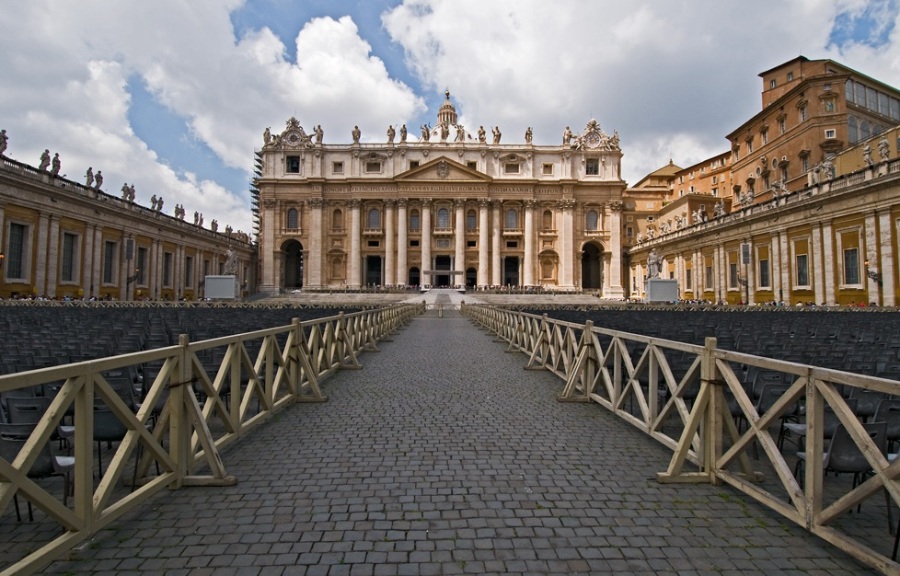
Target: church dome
(447,113)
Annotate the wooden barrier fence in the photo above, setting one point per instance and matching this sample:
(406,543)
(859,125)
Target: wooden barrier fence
(198,398)
(694,400)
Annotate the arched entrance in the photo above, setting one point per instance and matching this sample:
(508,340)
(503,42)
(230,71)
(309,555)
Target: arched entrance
(592,267)
(293,264)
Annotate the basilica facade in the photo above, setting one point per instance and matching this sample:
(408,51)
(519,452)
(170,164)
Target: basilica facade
(448,206)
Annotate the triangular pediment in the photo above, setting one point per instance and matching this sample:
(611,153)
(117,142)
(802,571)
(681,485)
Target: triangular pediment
(443,169)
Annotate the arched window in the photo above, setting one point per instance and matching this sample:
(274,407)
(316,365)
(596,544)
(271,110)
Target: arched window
(337,220)
(548,220)
(512,219)
(592,221)
(471,220)
(293,219)
(374,220)
(443,218)
(414,220)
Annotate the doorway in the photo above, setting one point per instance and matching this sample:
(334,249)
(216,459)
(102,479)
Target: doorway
(293,264)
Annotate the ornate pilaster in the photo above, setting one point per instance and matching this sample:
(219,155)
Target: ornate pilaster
(567,248)
(496,272)
(615,247)
(313,263)
(390,251)
(483,227)
(460,241)
(355,263)
(402,242)
(528,265)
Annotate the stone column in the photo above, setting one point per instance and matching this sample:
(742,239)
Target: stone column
(53,261)
(567,248)
(784,254)
(153,271)
(870,237)
(459,234)
(774,268)
(528,271)
(483,226)
(355,263)
(312,268)
(615,246)
(749,274)
(496,271)
(97,262)
(390,251)
(426,241)
(821,272)
(40,265)
(268,282)
(886,269)
(402,243)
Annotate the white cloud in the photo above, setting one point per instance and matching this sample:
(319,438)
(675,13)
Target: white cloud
(670,77)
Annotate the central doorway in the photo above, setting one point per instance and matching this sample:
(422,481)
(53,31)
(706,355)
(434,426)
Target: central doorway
(373,270)
(442,263)
(511,271)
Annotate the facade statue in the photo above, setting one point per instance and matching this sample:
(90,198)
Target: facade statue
(528,135)
(55,164)
(125,191)
(319,133)
(654,263)
(867,156)
(200,223)
(614,140)
(496,132)
(482,136)
(719,209)
(153,202)
(267,137)
(828,169)
(445,132)
(460,134)
(356,134)
(426,132)
(45,161)
(159,204)
(131,193)
(196,217)
(231,264)
(390,134)
(214,225)
(884,149)
(567,136)
(4,141)
(98,180)
(403,134)
(228,230)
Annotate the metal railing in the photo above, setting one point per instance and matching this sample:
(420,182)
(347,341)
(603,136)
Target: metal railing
(695,400)
(199,397)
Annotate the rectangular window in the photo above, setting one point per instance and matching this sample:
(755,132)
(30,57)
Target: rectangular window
(413,164)
(337,167)
(709,278)
(547,169)
(772,83)
(67,271)
(830,133)
(688,280)
(414,243)
(292,164)
(109,262)
(851,266)
(765,137)
(16,252)
(732,275)
(188,271)
(782,126)
(804,164)
(373,243)
(790,76)
(472,165)
(141,266)
(471,244)
(592,166)
(167,269)
(802,272)
(804,114)
(512,168)
(859,94)
(373,167)
(512,244)
(764,273)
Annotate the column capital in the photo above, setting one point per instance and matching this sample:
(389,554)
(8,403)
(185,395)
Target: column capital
(459,203)
(484,203)
(390,203)
(402,202)
(529,204)
(355,203)
(426,202)
(316,203)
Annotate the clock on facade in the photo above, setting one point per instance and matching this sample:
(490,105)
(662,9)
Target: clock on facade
(592,140)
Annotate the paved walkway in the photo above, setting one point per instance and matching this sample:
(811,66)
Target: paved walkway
(444,456)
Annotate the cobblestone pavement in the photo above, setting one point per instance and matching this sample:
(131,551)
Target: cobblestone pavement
(444,456)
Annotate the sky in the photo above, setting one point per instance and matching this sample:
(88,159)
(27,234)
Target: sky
(172,96)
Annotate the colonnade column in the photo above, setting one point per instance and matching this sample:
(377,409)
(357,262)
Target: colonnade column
(483,242)
(871,257)
(459,233)
(886,269)
(402,243)
(313,265)
(750,275)
(496,272)
(785,255)
(53,257)
(615,246)
(567,248)
(40,268)
(355,231)
(816,265)
(529,243)
(268,281)
(390,252)
(426,242)
(775,268)
(96,262)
